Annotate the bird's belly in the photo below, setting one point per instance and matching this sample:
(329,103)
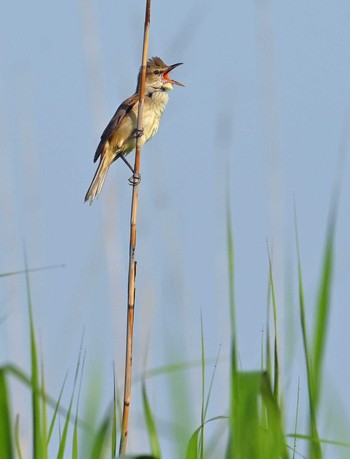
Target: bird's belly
(130,142)
(151,125)
(153,109)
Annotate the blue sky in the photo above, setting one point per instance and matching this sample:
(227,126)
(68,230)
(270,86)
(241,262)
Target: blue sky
(264,119)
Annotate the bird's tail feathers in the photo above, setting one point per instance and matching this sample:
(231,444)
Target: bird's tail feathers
(98,180)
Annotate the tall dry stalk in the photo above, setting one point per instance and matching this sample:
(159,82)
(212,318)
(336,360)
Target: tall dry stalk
(132,261)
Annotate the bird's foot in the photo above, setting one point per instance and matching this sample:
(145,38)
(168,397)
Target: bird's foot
(135,179)
(138,133)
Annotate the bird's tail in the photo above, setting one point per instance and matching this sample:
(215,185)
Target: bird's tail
(98,180)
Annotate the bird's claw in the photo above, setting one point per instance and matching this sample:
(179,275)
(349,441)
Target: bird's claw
(138,133)
(135,179)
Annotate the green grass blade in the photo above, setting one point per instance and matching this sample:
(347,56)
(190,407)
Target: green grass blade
(268,357)
(30,270)
(63,439)
(192,446)
(323,307)
(201,435)
(75,441)
(171,368)
(234,360)
(39,445)
(19,374)
(315,448)
(273,439)
(230,249)
(56,410)
(321,440)
(44,411)
(274,309)
(258,432)
(296,421)
(137,457)
(247,431)
(17,442)
(100,440)
(75,434)
(75,430)
(205,403)
(150,424)
(212,382)
(6,446)
(54,404)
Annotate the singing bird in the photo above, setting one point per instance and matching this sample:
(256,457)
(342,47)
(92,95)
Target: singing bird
(119,137)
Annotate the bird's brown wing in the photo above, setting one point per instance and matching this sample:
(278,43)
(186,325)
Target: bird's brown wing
(121,112)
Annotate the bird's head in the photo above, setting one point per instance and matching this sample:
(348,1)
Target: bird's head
(157,76)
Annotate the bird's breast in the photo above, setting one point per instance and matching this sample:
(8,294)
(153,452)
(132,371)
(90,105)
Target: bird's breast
(152,112)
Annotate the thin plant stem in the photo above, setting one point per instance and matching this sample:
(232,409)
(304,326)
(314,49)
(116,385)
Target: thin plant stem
(132,261)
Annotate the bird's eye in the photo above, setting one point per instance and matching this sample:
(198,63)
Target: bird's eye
(156,72)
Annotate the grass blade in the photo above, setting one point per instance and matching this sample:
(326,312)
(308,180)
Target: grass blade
(6,446)
(63,437)
(323,307)
(75,440)
(171,368)
(75,431)
(234,422)
(201,435)
(44,410)
(274,308)
(30,270)
(321,440)
(296,421)
(273,440)
(150,424)
(56,410)
(258,430)
(39,445)
(211,382)
(192,446)
(17,442)
(230,249)
(99,443)
(247,431)
(315,448)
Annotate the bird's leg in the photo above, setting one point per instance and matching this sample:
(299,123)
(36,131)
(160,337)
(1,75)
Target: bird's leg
(127,163)
(138,133)
(135,179)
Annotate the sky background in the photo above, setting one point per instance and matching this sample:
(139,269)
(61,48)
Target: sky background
(262,125)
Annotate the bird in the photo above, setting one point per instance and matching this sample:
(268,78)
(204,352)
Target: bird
(119,137)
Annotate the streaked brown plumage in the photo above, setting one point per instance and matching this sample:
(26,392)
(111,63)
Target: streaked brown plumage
(118,139)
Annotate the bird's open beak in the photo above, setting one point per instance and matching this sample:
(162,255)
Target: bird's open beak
(166,74)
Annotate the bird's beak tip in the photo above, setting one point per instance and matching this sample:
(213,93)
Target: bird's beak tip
(171,67)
